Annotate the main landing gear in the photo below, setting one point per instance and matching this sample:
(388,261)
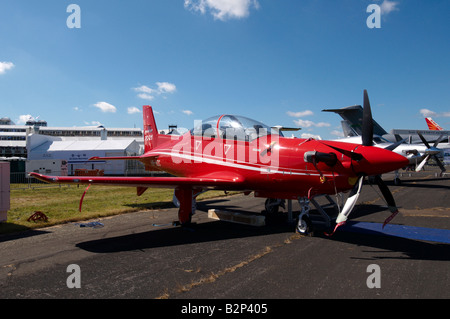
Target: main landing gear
(185,199)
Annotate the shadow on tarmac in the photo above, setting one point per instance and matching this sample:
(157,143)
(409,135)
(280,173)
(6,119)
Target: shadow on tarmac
(218,231)
(174,236)
(409,248)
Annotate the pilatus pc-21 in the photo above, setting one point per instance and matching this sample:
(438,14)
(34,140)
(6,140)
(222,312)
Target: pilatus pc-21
(230,152)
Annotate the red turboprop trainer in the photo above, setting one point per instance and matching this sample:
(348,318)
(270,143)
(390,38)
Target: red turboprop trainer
(230,152)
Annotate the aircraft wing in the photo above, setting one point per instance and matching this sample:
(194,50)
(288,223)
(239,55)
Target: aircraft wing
(145,182)
(124,158)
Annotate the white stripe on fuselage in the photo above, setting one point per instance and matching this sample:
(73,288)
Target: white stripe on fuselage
(246,166)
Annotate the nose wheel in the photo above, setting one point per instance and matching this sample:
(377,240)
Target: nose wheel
(304,225)
(304,222)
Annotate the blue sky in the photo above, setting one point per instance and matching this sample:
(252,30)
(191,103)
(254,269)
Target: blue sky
(278,61)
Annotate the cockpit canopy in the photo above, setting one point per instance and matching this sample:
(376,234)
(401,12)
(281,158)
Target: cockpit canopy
(234,127)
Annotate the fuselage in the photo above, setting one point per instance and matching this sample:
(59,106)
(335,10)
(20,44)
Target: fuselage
(272,164)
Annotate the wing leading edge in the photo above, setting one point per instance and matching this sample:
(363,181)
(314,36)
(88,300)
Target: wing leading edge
(147,182)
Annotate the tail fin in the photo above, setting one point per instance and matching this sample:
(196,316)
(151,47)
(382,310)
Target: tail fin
(150,129)
(432,125)
(353,115)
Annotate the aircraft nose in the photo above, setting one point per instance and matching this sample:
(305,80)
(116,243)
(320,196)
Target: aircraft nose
(376,161)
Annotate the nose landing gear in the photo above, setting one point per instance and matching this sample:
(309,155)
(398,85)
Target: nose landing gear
(304,221)
(306,224)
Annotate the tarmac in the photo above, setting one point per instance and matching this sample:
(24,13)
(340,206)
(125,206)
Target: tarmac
(143,256)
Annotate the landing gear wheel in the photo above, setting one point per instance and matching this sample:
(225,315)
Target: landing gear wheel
(304,225)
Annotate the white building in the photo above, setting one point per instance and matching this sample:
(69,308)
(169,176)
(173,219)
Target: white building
(65,155)
(13,140)
(13,137)
(56,149)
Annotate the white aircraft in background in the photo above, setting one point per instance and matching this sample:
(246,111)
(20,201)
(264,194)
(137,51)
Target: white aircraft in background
(351,125)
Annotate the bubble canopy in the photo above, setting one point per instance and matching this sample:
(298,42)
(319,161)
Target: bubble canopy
(235,127)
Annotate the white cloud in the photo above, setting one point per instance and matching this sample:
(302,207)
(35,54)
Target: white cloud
(144,89)
(24,118)
(307,123)
(300,114)
(133,110)
(429,113)
(146,96)
(388,6)
(147,93)
(166,87)
(105,107)
(93,123)
(5,66)
(337,133)
(223,9)
(322,124)
(188,112)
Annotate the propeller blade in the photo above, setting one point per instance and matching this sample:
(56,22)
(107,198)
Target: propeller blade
(386,193)
(424,141)
(354,156)
(438,140)
(395,145)
(438,162)
(367,123)
(388,197)
(419,168)
(349,205)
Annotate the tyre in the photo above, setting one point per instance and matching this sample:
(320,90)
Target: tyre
(304,225)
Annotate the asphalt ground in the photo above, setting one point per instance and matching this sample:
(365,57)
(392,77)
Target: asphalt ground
(142,256)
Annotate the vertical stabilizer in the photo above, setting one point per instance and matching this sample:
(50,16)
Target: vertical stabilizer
(354,115)
(150,129)
(432,125)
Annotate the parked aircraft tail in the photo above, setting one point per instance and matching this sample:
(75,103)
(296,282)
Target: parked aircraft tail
(352,116)
(432,125)
(152,138)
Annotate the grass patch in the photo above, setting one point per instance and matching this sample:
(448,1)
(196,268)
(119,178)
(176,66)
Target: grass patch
(60,204)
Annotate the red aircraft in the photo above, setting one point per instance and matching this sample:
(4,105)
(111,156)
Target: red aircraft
(230,152)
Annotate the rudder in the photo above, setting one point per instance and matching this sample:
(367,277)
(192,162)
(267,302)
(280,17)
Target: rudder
(150,129)
(432,125)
